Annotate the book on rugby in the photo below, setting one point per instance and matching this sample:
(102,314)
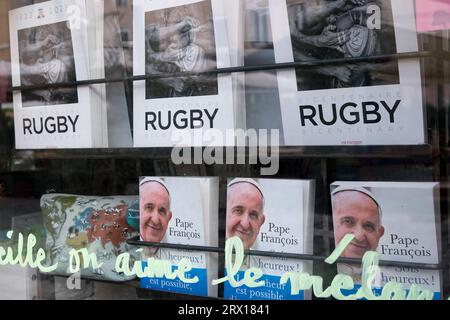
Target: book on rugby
(285,226)
(345,102)
(399,220)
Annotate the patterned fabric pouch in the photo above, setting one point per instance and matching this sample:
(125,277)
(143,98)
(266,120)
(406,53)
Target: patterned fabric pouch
(100,224)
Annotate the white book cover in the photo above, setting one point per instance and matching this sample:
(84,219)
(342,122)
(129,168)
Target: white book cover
(257,24)
(119,124)
(430,280)
(49,44)
(269,215)
(399,220)
(358,103)
(181,211)
(180,36)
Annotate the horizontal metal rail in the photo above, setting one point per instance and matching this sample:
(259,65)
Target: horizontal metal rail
(263,67)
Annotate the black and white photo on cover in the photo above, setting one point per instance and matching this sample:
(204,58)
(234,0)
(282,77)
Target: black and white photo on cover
(180,39)
(339,29)
(46,57)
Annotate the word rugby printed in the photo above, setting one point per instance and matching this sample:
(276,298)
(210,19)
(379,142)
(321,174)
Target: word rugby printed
(49,46)
(375,102)
(184,37)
